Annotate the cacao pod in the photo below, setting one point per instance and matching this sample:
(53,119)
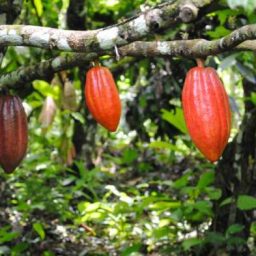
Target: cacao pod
(69,96)
(48,112)
(13,132)
(102,98)
(206,111)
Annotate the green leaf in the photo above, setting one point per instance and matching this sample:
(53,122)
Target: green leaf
(235,228)
(129,155)
(218,32)
(165,145)
(226,201)
(7,237)
(187,244)
(206,179)
(204,207)
(39,7)
(88,207)
(48,253)
(250,7)
(213,193)
(253,229)
(94,216)
(253,98)
(182,181)
(78,117)
(245,202)
(235,241)
(161,232)
(176,118)
(215,238)
(19,248)
(38,227)
(160,145)
(163,206)
(131,249)
(46,89)
(223,14)
(191,191)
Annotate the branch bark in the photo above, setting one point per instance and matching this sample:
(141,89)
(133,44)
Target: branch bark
(27,74)
(195,48)
(160,17)
(102,42)
(184,48)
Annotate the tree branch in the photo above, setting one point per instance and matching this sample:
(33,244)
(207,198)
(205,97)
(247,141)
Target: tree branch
(27,74)
(196,47)
(185,48)
(160,17)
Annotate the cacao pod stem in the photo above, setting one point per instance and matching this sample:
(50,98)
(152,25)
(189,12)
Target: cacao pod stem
(200,63)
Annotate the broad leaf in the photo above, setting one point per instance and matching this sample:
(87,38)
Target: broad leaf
(176,118)
(235,228)
(206,179)
(245,202)
(187,244)
(38,227)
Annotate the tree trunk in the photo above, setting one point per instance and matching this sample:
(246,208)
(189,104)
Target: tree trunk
(236,175)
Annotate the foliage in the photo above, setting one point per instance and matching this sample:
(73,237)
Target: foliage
(142,190)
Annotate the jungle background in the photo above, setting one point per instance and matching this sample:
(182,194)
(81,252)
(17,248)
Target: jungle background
(145,189)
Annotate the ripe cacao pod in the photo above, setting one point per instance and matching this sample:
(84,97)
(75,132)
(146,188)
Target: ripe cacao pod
(206,111)
(13,132)
(102,98)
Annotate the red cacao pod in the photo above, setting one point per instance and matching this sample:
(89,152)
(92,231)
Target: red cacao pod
(13,132)
(102,98)
(206,111)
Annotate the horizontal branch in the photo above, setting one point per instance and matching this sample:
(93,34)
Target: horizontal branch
(183,48)
(29,73)
(247,45)
(196,47)
(160,17)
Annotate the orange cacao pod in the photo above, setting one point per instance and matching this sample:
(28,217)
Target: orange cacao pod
(13,132)
(102,98)
(206,111)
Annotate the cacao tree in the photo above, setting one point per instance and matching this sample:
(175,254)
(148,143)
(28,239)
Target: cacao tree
(130,66)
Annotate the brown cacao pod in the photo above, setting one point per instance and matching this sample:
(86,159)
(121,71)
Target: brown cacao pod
(102,98)
(13,132)
(206,111)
